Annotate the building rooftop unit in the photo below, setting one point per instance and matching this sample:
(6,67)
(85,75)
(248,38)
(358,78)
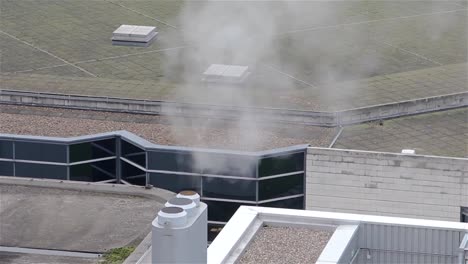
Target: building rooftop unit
(352,238)
(226,73)
(130,35)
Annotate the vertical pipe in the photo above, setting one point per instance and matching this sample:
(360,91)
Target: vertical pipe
(118,163)
(147,184)
(201,186)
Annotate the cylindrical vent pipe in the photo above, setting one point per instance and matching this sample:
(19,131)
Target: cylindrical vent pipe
(192,195)
(172,217)
(179,233)
(184,203)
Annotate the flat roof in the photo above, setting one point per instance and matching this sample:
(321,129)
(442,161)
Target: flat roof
(328,55)
(66,123)
(424,240)
(440,133)
(75,216)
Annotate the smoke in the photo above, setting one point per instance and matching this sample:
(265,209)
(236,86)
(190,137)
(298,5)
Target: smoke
(294,49)
(246,33)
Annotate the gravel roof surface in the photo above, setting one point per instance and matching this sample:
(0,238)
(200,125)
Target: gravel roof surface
(63,122)
(286,245)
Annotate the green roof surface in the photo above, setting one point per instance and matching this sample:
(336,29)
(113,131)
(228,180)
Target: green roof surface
(314,54)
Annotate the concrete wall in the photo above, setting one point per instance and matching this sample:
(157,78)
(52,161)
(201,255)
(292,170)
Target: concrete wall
(412,107)
(290,116)
(386,183)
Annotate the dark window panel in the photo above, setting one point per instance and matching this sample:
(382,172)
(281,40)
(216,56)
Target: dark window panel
(213,231)
(6,168)
(280,187)
(6,149)
(41,171)
(133,174)
(229,188)
(93,172)
(170,161)
(92,150)
(226,164)
(175,183)
(281,164)
(41,151)
(133,153)
(206,163)
(221,211)
(293,203)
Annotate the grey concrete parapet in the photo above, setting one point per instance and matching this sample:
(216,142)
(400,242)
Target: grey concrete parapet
(402,108)
(288,116)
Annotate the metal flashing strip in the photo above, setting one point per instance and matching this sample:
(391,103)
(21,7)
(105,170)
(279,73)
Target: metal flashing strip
(204,198)
(336,247)
(280,175)
(236,234)
(202,175)
(281,198)
(41,162)
(134,164)
(91,161)
(217,222)
(50,252)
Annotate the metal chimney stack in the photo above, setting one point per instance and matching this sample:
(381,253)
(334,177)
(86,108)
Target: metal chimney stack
(179,232)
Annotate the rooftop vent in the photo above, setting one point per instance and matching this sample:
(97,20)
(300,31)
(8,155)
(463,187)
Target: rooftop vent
(188,205)
(194,196)
(179,232)
(226,73)
(130,35)
(408,151)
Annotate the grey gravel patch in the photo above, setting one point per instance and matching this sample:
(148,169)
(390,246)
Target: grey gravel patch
(286,245)
(55,122)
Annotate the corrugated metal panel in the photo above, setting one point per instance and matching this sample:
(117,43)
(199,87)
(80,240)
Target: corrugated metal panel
(387,257)
(409,239)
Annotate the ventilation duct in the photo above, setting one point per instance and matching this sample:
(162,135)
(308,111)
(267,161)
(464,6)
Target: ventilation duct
(179,232)
(131,35)
(226,73)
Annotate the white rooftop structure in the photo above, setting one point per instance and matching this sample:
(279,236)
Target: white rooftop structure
(226,73)
(408,151)
(131,35)
(354,239)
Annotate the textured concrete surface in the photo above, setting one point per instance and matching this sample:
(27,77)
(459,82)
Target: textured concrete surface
(349,55)
(387,184)
(16,258)
(285,245)
(50,218)
(440,133)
